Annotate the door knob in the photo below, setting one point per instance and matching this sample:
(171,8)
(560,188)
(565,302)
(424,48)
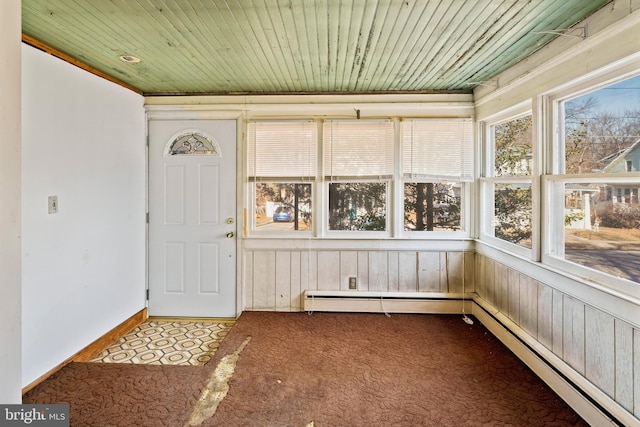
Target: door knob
(230,235)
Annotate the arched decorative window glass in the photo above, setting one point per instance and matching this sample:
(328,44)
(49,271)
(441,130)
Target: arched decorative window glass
(193,142)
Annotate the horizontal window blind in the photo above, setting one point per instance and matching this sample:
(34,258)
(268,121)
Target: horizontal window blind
(437,149)
(282,150)
(358,149)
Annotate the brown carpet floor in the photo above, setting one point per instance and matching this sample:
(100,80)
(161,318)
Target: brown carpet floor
(324,369)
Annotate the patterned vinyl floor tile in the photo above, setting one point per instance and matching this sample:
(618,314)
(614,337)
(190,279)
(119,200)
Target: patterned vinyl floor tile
(168,342)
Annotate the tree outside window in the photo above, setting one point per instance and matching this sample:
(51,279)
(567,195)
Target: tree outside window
(430,206)
(356,173)
(437,161)
(358,168)
(357,206)
(512,188)
(512,214)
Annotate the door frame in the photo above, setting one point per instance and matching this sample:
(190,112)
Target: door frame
(176,112)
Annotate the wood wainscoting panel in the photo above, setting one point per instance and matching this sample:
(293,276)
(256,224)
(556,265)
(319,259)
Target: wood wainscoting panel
(545,315)
(593,348)
(264,280)
(283,280)
(408,269)
(573,333)
(600,351)
(624,370)
(276,279)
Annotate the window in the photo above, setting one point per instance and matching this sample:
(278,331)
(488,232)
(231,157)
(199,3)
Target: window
(358,206)
(360,177)
(193,142)
(437,160)
(433,206)
(592,191)
(282,166)
(507,183)
(358,167)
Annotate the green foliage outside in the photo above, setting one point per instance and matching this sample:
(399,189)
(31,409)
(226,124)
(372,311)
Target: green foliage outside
(513,212)
(358,206)
(432,206)
(513,147)
(571,217)
(513,204)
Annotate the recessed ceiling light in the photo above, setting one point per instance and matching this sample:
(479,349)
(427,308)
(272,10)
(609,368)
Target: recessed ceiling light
(129,59)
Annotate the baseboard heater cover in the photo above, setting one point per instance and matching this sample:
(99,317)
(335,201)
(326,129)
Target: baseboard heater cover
(387,302)
(593,405)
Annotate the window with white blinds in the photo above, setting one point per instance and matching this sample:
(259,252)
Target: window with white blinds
(358,149)
(437,149)
(354,164)
(282,150)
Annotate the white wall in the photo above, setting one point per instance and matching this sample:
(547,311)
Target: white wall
(10,201)
(84,267)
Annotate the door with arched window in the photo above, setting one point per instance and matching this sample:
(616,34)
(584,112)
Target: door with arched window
(192,224)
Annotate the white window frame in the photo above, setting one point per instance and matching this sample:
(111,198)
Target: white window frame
(465,214)
(359,234)
(320,195)
(553,182)
(255,231)
(388,180)
(488,180)
(465,191)
(311,179)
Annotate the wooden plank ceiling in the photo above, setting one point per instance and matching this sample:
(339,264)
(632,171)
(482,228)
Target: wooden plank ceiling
(300,46)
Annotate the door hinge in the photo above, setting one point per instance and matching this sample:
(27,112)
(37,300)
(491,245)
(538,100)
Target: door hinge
(147,217)
(147,294)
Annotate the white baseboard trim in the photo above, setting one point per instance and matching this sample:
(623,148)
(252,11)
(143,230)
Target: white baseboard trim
(594,406)
(387,302)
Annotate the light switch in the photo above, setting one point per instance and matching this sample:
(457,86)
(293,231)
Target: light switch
(53,204)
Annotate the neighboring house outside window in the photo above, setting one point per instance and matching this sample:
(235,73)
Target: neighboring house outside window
(592,186)
(624,192)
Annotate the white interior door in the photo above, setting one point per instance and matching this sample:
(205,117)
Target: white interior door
(192,223)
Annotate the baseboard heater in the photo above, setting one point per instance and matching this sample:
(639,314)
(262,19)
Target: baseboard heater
(388,302)
(591,403)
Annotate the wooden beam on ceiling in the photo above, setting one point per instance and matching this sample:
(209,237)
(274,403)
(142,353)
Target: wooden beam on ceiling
(51,51)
